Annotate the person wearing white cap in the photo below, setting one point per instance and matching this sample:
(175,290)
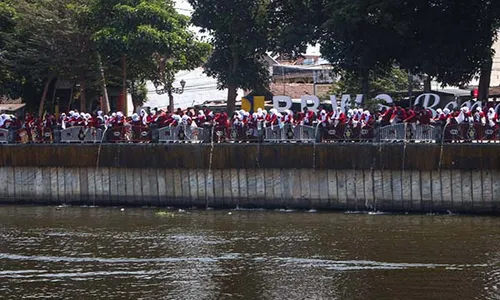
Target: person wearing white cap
(136,120)
(492,118)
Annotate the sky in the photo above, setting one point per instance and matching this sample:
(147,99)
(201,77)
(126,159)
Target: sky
(183,7)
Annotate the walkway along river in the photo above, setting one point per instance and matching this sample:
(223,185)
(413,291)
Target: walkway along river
(405,177)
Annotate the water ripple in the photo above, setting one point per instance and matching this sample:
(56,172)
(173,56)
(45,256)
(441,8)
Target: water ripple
(42,258)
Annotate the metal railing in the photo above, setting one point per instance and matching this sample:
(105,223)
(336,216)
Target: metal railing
(81,134)
(182,134)
(347,133)
(258,133)
(470,132)
(129,134)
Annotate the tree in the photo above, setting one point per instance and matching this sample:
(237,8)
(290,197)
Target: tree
(7,26)
(138,32)
(41,48)
(452,44)
(139,93)
(240,34)
(359,37)
(395,80)
(446,40)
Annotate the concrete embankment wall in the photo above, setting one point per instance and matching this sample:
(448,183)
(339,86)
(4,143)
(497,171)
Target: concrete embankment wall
(351,176)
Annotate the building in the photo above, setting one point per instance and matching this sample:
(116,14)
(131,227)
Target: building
(307,74)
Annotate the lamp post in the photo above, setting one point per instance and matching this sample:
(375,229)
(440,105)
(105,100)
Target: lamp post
(170,90)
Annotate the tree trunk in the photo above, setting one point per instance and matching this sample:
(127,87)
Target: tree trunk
(44,96)
(124,85)
(485,80)
(83,96)
(232,91)
(170,99)
(427,84)
(105,101)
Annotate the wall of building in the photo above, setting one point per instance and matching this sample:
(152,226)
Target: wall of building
(389,177)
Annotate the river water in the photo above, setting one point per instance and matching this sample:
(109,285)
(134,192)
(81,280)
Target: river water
(106,253)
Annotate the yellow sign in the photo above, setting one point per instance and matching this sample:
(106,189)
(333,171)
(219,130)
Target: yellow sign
(252,103)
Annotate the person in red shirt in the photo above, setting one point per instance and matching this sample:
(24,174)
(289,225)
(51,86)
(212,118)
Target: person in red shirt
(272,118)
(385,116)
(338,117)
(309,117)
(136,120)
(323,118)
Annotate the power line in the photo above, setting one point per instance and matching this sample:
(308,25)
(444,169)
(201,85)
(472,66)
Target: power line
(184,9)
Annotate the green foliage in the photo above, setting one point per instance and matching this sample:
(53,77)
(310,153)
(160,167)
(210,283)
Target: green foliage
(240,35)
(357,36)
(396,80)
(449,40)
(151,34)
(452,43)
(64,38)
(7,25)
(139,92)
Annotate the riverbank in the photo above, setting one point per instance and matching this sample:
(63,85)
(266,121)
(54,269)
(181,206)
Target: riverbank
(418,178)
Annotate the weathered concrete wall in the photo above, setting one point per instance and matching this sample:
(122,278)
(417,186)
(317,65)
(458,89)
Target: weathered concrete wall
(388,177)
(387,190)
(347,156)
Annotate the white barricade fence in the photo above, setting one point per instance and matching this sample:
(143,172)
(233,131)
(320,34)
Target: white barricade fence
(5,136)
(181,133)
(304,133)
(424,133)
(274,134)
(167,134)
(80,134)
(290,133)
(395,132)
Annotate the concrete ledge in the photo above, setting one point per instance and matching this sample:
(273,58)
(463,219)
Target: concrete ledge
(340,156)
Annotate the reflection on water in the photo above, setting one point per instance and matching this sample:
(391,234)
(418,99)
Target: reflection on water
(106,253)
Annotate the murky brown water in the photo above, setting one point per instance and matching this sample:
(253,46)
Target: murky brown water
(104,253)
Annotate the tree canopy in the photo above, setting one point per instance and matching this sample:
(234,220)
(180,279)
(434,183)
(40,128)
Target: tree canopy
(239,32)
(71,39)
(448,40)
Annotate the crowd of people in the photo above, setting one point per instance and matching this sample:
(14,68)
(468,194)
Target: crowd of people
(203,117)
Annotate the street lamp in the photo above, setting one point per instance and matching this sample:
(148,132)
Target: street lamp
(170,92)
(165,90)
